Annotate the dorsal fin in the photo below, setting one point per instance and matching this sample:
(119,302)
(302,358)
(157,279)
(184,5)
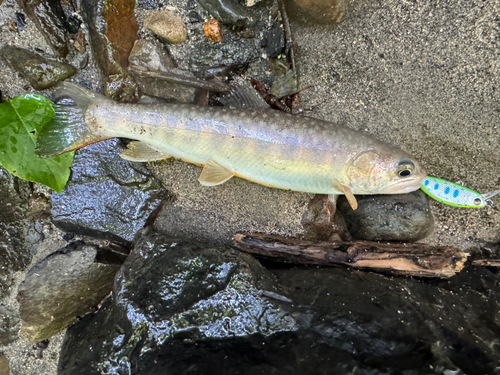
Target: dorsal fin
(243,95)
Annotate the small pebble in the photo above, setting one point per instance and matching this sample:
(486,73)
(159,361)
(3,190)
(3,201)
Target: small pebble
(213,31)
(167,25)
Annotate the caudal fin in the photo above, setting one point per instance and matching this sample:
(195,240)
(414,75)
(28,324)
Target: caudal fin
(68,130)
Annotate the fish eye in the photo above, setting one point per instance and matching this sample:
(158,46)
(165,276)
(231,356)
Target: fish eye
(405,168)
(477,201)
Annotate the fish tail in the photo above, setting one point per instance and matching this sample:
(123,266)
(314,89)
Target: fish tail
(68,130)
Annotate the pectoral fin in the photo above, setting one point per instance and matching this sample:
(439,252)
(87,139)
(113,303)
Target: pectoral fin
(347,192)
(214,174)
(141,152)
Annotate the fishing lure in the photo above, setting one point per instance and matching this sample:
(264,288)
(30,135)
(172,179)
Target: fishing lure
(455,194)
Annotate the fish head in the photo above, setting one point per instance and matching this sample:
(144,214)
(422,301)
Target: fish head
(384,172)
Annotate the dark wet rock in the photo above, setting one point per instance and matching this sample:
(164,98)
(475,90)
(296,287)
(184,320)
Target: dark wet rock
(14,195)
(166,25)
(229,12)
(398,217)
(194,17)
(14,252)
(40,72)
(316,11)
(106,197)
(9,324)
(184,308)
(171,297)
(67,284)
(273,41)
(74,22)
(113,31)
(151,55)
(49,20)
(4,362)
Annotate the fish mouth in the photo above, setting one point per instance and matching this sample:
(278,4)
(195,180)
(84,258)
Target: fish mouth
(402,187)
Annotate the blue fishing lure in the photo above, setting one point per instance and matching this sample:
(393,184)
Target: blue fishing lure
(455,194)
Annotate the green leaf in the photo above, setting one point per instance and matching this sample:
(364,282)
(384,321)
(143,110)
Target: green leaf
(20,120)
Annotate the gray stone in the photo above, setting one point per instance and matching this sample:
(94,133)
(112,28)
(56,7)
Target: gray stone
(67,284)
(398,217)
(40,72)
(151,55)
(166,25)
(9,324)
(106,197)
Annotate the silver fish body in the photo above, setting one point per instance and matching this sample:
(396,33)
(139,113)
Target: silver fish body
(261,145)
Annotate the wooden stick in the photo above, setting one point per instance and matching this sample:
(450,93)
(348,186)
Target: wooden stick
(413,259)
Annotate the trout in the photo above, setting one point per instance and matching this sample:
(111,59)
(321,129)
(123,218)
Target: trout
(265,146)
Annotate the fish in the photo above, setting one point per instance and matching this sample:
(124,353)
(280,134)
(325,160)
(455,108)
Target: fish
(454,194)
(265,146)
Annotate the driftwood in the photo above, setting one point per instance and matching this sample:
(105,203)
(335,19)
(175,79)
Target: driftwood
(412,259)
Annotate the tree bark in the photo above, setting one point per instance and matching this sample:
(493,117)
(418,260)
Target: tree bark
(412,259)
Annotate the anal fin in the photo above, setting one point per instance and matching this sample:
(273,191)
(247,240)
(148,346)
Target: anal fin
(214,174)
(142,152)
(347,192)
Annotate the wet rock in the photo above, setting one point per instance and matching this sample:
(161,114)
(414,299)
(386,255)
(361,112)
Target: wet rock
(194,17)
(4,362)
(48,18)
(274,41)
(229,12)
(14,252)
(316,11)
(377,324)
(398,217)
(67,284)
(9,325)
(167,25)
(184,308)
(113,31)
(14,194)
(213,31)
(171,297)
(151,55)
(106,197)
(40,72)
